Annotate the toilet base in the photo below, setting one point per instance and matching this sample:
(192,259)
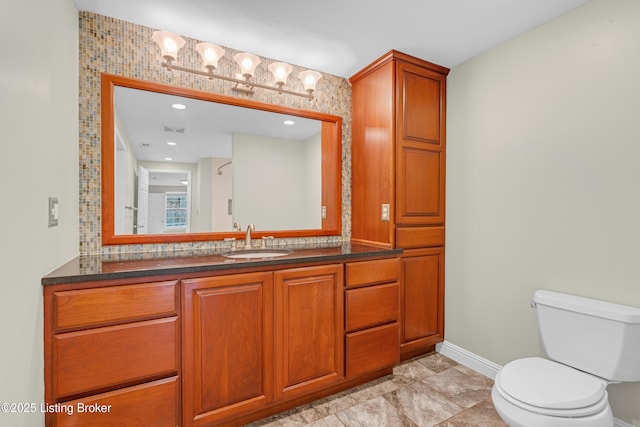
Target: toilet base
(518,417)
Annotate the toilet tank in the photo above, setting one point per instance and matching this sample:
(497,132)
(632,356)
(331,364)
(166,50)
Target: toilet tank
(598,337)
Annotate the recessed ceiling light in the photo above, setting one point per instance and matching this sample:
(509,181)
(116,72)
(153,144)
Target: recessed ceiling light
(289,122)
(172,143)
(179,106)
(168,158)
(184,182)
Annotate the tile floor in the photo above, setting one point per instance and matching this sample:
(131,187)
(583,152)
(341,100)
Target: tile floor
(432,390)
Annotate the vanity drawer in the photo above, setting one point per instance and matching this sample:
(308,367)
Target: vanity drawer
(419,237)
(371,272)
(371,306)
(114,304)
(372,349)
(105,358)
(151,404)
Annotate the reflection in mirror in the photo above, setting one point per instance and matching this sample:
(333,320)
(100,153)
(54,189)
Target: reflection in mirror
(190,163)
(224,163)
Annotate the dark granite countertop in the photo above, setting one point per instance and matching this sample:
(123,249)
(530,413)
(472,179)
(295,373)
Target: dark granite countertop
(110,267)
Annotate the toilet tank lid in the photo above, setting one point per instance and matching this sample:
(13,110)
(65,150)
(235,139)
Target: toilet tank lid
(588,306)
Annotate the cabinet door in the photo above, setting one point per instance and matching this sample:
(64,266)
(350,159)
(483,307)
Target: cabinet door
(227,350)
(422,299)
(420,146)
(309,329)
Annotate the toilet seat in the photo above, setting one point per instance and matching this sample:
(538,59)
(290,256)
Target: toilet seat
(549,388)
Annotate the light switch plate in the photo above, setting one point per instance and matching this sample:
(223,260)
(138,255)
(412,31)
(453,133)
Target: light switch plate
(53,211)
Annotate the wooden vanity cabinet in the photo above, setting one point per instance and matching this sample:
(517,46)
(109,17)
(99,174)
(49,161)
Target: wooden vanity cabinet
(398,181)
(309,328)
(227,346)
(221,348)
(114,348)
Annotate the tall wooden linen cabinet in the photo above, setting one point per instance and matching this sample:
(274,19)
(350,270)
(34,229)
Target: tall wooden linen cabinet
(398,183)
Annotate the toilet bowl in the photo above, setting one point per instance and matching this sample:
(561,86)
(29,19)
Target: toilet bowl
(539,392)
(591,343)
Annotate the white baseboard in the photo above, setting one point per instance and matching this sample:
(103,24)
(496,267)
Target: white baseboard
(485,366)
(468,359)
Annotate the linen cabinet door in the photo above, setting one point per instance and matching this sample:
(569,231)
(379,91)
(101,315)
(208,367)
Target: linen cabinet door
(422,300)
(227,346)
(420,146)
(309,329)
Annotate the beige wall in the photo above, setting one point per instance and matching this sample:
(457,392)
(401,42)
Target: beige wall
(543,182)
(39,116)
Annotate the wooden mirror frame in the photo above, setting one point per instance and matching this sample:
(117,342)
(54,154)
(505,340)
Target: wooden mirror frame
(331,165)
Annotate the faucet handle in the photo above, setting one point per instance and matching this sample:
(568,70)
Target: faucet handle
(232,241)
(237,226)
(264,240)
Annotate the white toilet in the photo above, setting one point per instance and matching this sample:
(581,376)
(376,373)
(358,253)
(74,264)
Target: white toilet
(592,343)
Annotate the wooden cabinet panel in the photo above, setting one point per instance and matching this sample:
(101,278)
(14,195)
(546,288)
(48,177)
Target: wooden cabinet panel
(422,297)
(115,304)
(228,336)
(152,404)
(419,237)
(372,272)
(372,349)
(419,91)
(372,306)
(420,191)
(373,130)
(309,323)
(104,358)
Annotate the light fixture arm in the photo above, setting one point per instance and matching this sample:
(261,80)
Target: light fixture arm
(248,85)
(171,43)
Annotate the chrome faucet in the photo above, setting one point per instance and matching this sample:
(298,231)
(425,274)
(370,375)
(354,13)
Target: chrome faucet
(247,240)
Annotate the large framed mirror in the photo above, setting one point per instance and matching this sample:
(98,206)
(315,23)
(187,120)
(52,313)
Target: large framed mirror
(182,165)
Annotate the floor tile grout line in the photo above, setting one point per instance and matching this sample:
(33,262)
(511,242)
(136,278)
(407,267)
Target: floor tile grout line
(438,361)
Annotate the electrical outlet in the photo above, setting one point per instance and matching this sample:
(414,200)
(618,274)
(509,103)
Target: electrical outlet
(385,212)
(324,212)
(53,211)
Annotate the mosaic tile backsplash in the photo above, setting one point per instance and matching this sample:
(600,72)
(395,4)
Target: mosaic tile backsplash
(112,46)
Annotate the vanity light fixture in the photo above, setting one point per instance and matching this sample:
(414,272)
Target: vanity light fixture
(280,71)
(171,43)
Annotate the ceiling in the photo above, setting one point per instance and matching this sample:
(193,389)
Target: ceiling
(341,37)
(202,129)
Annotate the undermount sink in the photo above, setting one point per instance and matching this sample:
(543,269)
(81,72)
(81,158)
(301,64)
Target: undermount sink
(256,253)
